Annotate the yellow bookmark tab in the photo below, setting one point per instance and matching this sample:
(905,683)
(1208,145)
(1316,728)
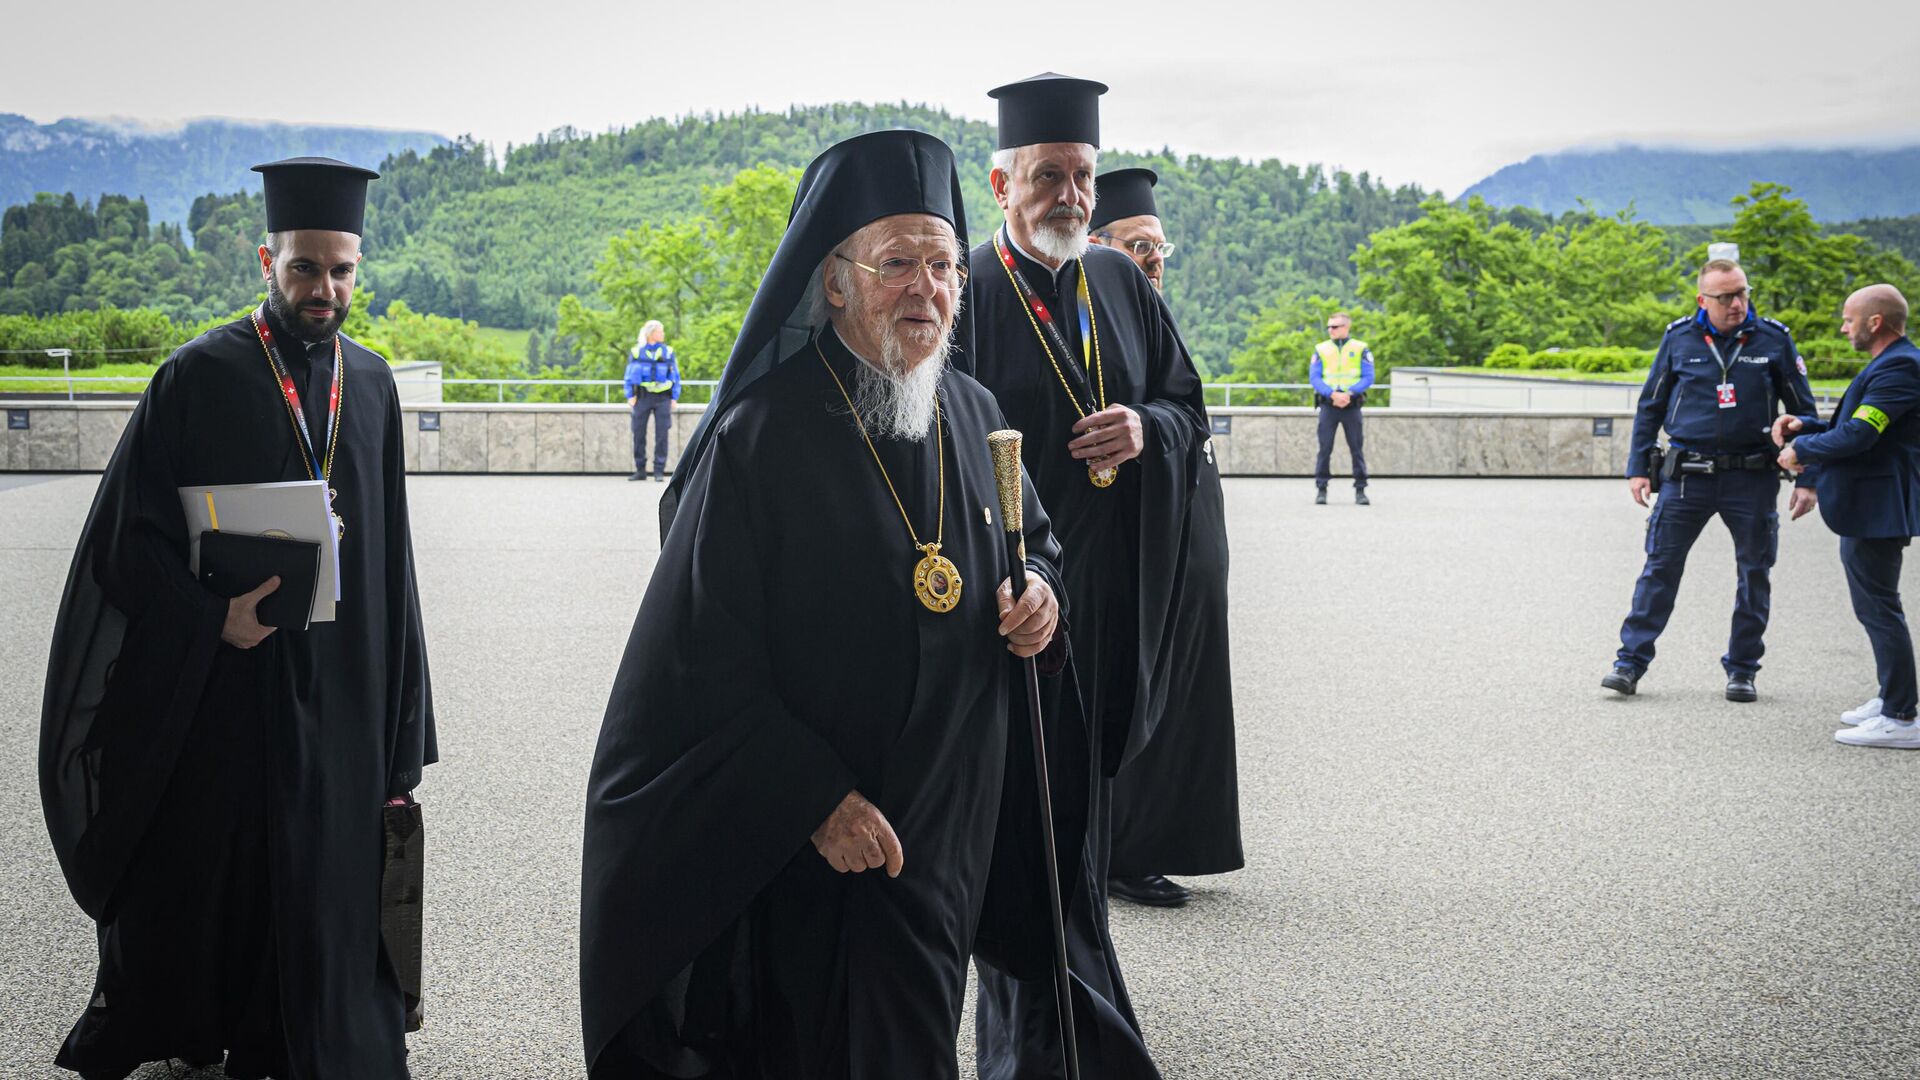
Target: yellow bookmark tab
(212,515)
(1873,416)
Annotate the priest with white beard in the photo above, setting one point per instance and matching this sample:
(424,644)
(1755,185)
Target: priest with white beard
(794,801)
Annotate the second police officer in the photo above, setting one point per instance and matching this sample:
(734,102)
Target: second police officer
(1713,387)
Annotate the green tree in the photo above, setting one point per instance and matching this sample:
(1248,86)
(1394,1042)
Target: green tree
(1473,282)
(1800,273)
(696,275)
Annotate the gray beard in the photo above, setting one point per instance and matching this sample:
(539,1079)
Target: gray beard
(1061,246)
(898,406)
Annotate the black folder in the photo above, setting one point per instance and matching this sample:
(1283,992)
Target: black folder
(232,564)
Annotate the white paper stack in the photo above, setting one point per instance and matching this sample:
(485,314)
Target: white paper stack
(296,510)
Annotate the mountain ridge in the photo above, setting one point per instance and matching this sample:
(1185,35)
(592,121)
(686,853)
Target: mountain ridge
(171,164)
(1674,186)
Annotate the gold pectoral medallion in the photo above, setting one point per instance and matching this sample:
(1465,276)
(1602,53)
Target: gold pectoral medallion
(936,581)
(1103,477)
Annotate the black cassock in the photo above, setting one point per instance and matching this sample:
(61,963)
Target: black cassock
(1176,806)
(1125,551)
(217,811)
(780,660)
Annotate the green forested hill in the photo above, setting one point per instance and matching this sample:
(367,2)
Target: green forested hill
(501,237)
(452,234)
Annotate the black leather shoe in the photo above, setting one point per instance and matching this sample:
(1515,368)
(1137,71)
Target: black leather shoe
(1740,688)
(1320,498)
(637,476)
(1622,680)
(1152,890)
(1361,498)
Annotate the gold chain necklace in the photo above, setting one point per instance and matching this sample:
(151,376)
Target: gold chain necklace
(1099,478)
(936,581)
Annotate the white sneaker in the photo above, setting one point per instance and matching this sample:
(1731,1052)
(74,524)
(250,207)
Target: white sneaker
(1856,717)
(1882,731)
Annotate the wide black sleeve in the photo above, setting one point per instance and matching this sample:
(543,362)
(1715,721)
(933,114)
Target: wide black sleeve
(132,648)
(414,744)
(1174,413)
(704,783)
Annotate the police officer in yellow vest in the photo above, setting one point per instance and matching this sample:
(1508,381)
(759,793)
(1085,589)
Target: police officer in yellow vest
(1341,371)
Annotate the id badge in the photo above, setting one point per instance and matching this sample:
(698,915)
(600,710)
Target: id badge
(1725,391)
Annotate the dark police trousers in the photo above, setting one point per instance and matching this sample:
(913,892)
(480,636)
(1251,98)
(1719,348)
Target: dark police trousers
(1745,500)
(1873,577)
(659,405)
(1348,418)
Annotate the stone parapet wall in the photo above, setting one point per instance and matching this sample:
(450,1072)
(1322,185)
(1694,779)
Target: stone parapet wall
(489,438)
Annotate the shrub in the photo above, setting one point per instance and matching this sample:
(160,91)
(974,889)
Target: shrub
(1507,355)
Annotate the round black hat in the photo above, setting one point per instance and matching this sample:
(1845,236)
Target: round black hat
(1122,193)
(316,193)
(852,183)
(1049,108)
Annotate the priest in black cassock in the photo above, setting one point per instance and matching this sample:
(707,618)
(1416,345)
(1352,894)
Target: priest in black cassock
(1082,354)
(215,788)
(793,805)
(1176,807)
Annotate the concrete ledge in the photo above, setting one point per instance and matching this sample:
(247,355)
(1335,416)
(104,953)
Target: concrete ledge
(494,438)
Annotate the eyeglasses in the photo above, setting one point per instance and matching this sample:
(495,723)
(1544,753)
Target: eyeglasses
(1142,248)
(1726,298)
(902,272)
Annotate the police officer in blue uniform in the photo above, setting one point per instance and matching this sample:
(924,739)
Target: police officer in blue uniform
(653,385)
(1869,492)
(1713,387)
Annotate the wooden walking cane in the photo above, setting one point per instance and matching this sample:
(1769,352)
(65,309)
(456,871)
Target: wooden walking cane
(1006,475)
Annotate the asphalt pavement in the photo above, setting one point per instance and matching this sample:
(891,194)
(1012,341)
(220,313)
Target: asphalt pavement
(1465,859)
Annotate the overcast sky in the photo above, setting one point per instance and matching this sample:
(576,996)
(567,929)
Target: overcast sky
(1435,94)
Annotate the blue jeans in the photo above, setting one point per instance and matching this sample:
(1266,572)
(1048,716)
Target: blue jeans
(1745,501)
(659,405)
(1349,420)
(1873,577)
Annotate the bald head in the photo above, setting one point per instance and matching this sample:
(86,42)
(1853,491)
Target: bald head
(1874,318)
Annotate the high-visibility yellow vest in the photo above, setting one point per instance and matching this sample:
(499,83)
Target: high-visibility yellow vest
(1340,364)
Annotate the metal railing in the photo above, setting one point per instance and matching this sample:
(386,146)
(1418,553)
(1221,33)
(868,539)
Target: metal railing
(1218,394)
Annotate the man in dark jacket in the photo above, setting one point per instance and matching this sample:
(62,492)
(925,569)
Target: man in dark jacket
(1868,482)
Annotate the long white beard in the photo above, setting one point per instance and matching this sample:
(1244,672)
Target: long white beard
(894,405)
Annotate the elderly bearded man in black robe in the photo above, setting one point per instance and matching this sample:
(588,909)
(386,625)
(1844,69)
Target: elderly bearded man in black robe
(793,804)
(215,787)
(1082,354)
(1176,807)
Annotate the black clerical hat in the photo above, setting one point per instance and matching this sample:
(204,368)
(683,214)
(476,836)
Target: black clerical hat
(316,193)
(1049,108)
(851,184)
(1122,193)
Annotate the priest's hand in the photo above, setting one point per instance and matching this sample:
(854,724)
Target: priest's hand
(1108,437)
(1028,626)
(243,629)
(856,837)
